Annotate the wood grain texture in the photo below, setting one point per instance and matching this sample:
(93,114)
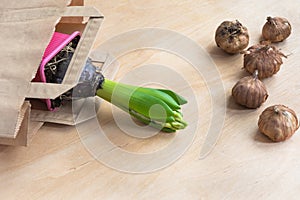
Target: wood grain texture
(243,165)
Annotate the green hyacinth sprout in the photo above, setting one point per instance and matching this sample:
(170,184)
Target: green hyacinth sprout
(159,108)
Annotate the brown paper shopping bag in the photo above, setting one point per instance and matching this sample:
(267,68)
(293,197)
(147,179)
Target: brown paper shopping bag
(26,31)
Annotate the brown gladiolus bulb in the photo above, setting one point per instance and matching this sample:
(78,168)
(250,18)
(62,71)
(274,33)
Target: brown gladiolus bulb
(232,36)
(266,59)
(278,122)
(276,29)
(250,92)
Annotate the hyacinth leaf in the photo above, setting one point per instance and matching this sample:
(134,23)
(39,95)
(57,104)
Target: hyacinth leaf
(179,99)
(171,98)
(161,95)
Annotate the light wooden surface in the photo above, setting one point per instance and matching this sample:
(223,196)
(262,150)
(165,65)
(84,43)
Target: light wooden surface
(243,164)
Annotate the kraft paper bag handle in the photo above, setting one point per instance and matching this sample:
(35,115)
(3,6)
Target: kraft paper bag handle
(50,90)
(82,11)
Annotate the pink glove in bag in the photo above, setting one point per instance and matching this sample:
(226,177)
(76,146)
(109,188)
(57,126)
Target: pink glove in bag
(54,65)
